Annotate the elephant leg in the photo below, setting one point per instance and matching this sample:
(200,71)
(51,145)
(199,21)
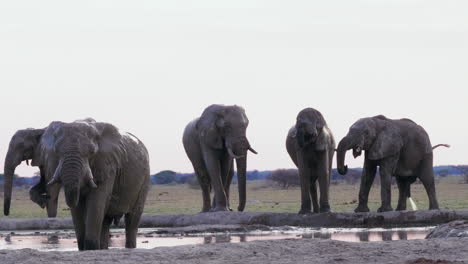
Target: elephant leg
(314,196)
(305,181)
(52,203)
(229,171)
(402,187)
(367,178)
(78,216)
(132,219)
(205,185)
(324,182)
(95,209)
(426,175)
(105,232)
(387,167)
(214,171)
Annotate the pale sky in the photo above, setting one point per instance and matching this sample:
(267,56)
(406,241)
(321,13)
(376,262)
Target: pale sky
(150,67)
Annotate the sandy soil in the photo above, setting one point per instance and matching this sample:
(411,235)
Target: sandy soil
(451,250)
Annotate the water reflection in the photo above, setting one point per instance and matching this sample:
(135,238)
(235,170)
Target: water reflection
(149,239)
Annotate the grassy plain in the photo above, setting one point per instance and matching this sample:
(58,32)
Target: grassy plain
(261,197)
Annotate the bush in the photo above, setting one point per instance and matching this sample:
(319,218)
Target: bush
(285,177)
(163,177)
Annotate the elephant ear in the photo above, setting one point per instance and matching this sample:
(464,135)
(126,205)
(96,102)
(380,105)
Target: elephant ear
(387,143)
(111,144)
(210,125)
(111,151)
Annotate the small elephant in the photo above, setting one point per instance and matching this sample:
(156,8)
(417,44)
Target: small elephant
(212,142)
(311,146)
(105,175)
(25,146)
(400,148)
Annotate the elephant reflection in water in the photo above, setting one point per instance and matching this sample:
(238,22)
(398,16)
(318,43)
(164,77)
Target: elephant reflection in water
(402,235)
(387,235)
(218,239)
(208,240)
(363,236)
(53,240)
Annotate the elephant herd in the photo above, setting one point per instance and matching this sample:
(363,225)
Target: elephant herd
(105,173)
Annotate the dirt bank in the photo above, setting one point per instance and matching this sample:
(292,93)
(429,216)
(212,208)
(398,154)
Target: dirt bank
(284,251)
(373,219)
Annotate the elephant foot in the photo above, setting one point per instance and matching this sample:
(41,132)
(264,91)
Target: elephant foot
(325,209)
(362,209)
(434,208)
(304,212)
(400,208)
(384,209)
(219,209)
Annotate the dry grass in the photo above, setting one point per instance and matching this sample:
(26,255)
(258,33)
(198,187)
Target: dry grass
(177,199)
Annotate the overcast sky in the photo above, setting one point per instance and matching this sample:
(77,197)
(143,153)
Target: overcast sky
(150,67)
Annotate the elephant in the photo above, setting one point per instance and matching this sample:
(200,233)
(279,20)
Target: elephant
(311,146)
(400,148)
(211,143)
(25,146)
(104,174)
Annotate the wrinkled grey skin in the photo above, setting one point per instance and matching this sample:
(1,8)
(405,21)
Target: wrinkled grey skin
(105,175)
(212,142)
(311,146)
(400,148)
(25,146)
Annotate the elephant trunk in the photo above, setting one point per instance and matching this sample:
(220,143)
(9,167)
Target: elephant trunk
(241,164)
(11,162)
(345,144)
(70,172)
(238,150)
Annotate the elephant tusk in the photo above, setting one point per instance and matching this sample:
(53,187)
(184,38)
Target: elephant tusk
(253,150)
(56,178)
(92,184)
(53,181)
(89,178)
(234,156)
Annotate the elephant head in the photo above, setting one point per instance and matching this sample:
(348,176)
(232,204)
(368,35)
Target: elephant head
(224,127)
(309,127)
(23,147)
(376,135)
(72,149)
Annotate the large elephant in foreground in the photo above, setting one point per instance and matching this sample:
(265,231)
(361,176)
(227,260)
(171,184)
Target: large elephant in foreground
(400,148)
(25,146)
(212,142)
(311,146)
(105,175)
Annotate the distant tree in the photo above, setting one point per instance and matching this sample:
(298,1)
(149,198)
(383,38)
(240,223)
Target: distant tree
(464,170)
(443,173)
(285,177)
(163,177)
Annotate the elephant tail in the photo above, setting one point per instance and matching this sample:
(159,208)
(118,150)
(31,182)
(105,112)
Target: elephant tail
(441,145)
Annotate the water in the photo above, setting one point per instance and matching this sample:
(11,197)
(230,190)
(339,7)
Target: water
(65,240)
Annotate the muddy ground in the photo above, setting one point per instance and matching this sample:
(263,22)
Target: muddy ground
(450,250)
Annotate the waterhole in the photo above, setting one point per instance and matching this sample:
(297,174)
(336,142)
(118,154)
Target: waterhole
(64,240)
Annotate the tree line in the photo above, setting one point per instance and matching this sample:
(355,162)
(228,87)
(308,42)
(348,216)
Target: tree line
(284,178)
